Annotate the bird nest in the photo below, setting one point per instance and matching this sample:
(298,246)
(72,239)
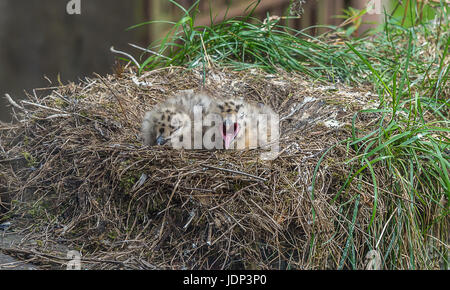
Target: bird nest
(73,166)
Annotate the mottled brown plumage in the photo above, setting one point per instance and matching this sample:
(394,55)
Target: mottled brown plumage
(244,125)
(174,119)
(227,123)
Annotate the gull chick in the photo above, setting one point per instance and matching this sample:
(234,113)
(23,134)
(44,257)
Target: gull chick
(164,123)
(174,118)
(244,125)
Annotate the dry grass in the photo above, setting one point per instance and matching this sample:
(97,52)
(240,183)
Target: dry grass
(74,172)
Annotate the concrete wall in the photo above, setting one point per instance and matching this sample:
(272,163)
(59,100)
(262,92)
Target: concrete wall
(38,37)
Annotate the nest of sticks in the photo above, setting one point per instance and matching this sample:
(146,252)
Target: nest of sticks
(72,165)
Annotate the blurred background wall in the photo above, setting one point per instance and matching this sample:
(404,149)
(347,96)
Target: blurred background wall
(39,38)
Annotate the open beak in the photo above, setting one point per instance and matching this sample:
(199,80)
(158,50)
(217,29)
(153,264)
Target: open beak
(229,132)
(160,140)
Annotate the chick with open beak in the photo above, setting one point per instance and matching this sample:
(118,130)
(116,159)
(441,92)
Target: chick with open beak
(232,114)
(230,129)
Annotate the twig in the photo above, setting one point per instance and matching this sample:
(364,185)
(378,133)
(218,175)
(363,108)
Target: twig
(11,159)
(227,231)
(53,258)
(11,101)
(237,172)
(126,54)
(271,218)
(148,50)
(206,53)
(167,207)
(44,107)
(191,217)
(53,116)
(298,107)
(384,228)
(116,96)
(62,113)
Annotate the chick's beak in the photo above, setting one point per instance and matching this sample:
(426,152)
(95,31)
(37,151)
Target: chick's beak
(229,132)
(160,140)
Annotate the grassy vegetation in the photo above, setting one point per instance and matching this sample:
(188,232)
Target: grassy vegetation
(404,156)
(247,42)
(410,143)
